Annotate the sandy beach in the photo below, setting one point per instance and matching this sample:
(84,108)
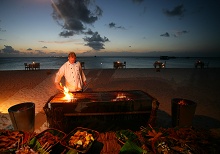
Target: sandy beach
(198,85)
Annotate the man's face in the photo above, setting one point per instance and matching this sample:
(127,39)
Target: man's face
(72,59)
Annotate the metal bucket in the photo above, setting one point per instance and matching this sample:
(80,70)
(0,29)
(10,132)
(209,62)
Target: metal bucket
(182,114)
(23,116)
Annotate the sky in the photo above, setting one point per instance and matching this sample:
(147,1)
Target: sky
(109,27)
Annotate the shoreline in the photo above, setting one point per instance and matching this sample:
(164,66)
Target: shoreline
(198,85)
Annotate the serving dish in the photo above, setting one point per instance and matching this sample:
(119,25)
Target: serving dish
(10,140)
(47,138)
(80,139)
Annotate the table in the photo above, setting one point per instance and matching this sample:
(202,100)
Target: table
(158,64)
(199,64)
(32,66)
(101,111)
(118,64)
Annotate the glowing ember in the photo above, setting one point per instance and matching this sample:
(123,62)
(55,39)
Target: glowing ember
(121,97)
(182,102)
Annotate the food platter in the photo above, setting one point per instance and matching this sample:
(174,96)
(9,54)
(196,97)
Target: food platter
(80,139)
(11,140)
(47,138)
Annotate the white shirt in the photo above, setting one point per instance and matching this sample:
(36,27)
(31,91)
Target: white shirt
(74,76)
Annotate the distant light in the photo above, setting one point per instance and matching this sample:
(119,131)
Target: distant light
(101,63)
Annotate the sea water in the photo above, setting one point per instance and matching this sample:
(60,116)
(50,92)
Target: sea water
(17,63)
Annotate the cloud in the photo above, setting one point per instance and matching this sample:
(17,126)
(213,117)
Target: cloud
(57,42)
(177,11)
(89,32)
(39,52)
(113,25)
(179,33)
(66,33)
(72,15)
(165,34)
(175,34)
(9,50)
(1,30)
(96,42)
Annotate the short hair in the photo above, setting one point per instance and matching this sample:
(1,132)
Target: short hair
(72,54)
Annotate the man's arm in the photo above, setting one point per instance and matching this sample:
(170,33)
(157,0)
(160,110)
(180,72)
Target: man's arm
(58,78)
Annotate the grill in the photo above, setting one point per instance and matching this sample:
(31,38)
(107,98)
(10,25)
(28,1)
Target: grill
(102,111)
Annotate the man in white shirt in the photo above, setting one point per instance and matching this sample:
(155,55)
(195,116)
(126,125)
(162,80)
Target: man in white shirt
(74,76)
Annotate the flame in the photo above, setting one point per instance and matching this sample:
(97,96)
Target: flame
(120,96)
(68,95)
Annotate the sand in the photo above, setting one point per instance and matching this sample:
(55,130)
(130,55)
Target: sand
(198,85)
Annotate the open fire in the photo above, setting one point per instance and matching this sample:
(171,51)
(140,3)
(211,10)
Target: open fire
(67,95)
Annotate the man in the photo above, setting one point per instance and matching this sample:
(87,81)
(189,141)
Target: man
(74,76)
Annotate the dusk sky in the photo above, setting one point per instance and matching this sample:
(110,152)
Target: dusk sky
(109,27)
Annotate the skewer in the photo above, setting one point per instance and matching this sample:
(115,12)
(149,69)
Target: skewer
(150,126)
(18,144)
(22,146)
(42,148)
(48,148)
(63,152)
(44,145)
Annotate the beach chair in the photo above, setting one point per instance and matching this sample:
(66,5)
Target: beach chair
(115,65)
(26,66)
(124,65)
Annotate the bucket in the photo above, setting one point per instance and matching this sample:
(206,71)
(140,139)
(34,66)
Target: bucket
(23,116)
(182,111)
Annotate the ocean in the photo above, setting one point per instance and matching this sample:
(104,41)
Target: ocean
(17,63)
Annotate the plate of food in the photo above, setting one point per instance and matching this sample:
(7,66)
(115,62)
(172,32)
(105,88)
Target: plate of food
(46,140)
(10,140)
(80,139)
